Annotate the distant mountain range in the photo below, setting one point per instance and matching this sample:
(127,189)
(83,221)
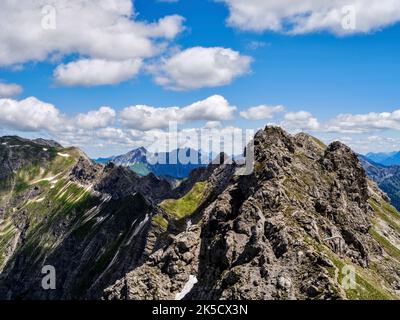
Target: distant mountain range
(387,159)
(142,162)
(387,178)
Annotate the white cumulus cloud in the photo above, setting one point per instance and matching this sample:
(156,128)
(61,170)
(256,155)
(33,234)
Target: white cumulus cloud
(299,121)
(141,117)
(101,118)
(29,114)
(107,34)
(91,72)
(213,125)
(358,123)
(304,16)
(261,112)
(101,29)
(200,67)
(8,90)
(344,123)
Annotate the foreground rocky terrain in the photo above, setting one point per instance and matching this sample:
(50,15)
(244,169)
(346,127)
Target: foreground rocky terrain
(305,222)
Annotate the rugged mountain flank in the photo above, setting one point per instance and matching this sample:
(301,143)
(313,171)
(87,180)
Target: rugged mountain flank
(91,222)
(291,230)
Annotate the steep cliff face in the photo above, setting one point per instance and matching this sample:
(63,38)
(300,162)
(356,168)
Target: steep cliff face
(304,225)
(293,229)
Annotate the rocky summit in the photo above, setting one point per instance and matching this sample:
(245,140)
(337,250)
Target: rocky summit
(306,224)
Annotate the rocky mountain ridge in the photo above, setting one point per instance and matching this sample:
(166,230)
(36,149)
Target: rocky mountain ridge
(286,232)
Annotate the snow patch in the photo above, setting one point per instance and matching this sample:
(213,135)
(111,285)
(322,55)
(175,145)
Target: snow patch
(187,288)
(138,228)
(141,224)
(64,155)
(106,198)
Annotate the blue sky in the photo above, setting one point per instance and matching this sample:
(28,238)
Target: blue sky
(319,72)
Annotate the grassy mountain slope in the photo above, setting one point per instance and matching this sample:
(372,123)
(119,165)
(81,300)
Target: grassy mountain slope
(55,211)
(188,204)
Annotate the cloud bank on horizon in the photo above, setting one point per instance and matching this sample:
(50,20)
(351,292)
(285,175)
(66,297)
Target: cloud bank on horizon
(140,125)
(108,43)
